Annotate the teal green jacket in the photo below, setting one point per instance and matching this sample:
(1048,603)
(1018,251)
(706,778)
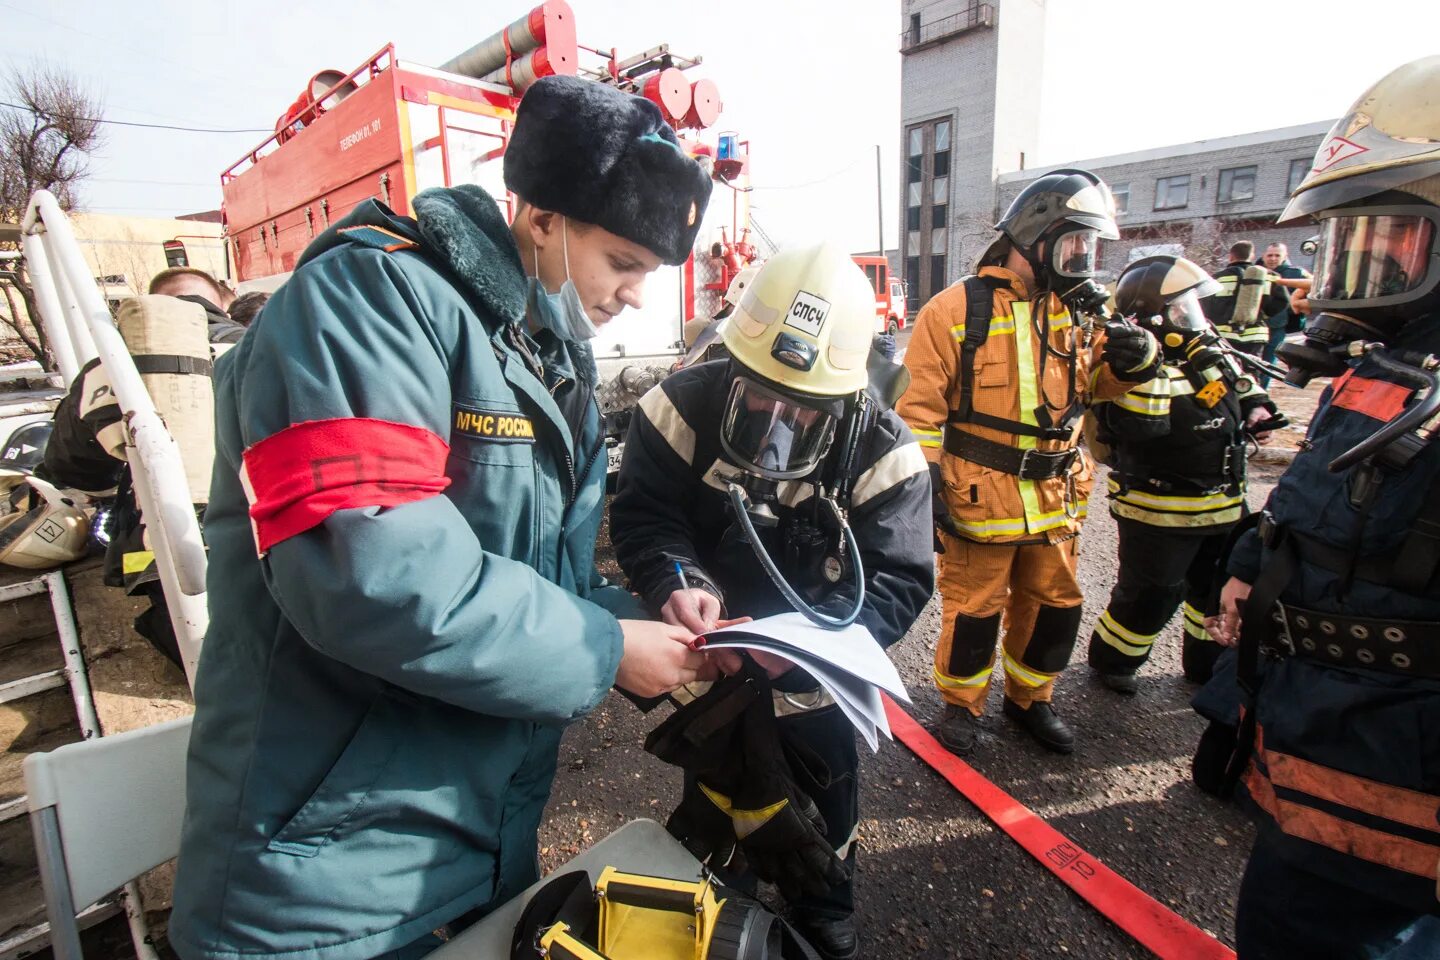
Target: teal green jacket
(381,695)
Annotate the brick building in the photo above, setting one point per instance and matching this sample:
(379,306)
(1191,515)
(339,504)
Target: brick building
(970,107)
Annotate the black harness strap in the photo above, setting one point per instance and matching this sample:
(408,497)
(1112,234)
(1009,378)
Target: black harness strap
(172,363)
(979,311)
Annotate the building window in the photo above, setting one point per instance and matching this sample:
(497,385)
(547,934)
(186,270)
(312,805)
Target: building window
(1237,183)
(942,149)
(912,244)
(1172,193)
(1298,170)
(937,274)
(1121,192)
(938,216)
(937,241)
(912,284)
(914,29)
(915,163)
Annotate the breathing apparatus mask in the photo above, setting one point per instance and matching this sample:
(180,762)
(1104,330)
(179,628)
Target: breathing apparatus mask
(1184,333)
(562,312)
(1377,268)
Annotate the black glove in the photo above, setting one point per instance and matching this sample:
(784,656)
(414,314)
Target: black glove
(939,509)
(1131,352)
(747,795)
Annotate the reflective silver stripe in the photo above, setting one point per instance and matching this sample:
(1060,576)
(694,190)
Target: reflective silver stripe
(786,704)
(661,413)
(789,492)
(895,467)
(844,849)
(96,392)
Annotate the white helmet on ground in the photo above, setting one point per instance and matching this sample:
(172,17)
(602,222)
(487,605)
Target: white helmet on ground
(47,530)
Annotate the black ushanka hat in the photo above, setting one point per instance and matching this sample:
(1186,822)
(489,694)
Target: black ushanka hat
(598,155)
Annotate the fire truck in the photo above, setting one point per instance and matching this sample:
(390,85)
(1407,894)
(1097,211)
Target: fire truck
(390,128)
(889,293)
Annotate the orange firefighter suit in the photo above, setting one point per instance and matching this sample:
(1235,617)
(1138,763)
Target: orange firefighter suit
(1015,481)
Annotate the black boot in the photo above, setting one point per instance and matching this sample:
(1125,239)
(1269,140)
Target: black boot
(1042,723)
(1120,682)
(1197,658)
(833,939)
(958,731)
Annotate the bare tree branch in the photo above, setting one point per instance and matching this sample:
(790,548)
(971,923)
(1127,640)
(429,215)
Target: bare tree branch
(44,145)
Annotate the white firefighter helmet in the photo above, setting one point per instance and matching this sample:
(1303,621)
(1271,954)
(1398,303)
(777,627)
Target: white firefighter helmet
(1389,139)
(805,322)
(47,530)
(799,338)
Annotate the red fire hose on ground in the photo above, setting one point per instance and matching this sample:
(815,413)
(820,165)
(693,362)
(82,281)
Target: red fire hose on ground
(1152,924)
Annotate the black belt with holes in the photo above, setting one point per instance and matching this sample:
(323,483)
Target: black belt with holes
(1025,464)
(1409,648)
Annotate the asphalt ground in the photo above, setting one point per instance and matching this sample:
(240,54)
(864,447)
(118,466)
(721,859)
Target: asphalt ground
(934,876)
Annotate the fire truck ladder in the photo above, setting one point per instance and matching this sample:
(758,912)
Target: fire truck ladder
(72,674)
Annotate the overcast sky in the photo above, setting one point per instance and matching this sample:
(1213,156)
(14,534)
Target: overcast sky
(814,85)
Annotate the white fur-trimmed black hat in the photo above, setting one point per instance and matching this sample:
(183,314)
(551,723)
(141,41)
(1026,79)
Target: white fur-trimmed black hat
(598,155)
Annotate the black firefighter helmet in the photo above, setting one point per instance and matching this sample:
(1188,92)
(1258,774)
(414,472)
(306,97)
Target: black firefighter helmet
(1162,294)
(1056,223)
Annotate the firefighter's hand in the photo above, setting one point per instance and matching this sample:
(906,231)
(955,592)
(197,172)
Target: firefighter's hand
(726,660)
(694,609)
(1130,351)
(658,658)
(1258,416)
(732,662)
(1224,627)
(1300,298)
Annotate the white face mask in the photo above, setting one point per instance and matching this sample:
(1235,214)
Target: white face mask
(561,313)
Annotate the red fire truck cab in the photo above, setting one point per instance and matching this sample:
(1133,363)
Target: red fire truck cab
(889,293)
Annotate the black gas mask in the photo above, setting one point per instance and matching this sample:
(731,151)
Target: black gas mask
(774,435)
(1184,333)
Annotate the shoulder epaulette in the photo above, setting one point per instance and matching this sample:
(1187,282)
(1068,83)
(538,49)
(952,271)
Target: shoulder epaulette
(378,237)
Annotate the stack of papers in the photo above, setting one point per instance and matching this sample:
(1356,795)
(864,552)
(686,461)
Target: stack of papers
(847,663)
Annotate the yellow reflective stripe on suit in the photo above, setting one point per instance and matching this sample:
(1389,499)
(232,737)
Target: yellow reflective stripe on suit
(1022,674)
(1128,642)
(1194,622)
(929,438)
(955,683)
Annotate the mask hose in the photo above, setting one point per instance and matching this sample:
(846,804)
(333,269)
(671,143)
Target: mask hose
(737,500)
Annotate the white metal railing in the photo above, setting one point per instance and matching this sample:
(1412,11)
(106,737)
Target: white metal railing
(80,328)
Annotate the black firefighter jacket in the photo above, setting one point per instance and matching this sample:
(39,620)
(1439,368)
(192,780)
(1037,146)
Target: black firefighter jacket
(670,506)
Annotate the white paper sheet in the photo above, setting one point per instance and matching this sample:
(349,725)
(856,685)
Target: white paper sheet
(847,663)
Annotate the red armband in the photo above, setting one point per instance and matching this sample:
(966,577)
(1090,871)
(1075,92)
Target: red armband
(298,477)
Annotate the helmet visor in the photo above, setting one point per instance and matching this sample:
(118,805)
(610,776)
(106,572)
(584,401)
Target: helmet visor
(773,435)
(1076,253)
(1183,314)
(1372,259)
